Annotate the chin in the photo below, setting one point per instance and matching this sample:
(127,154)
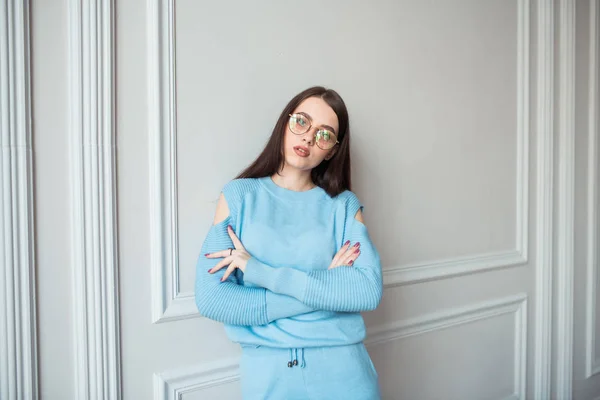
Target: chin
(300,166)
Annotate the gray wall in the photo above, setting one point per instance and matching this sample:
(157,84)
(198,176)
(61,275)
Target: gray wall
(471,121)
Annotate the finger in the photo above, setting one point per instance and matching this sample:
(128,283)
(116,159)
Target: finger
(218,254)
(340,253)
(236,241)
(350,255)
(337,259)
(352,258)
(351,251)
(221,264)
(228,272)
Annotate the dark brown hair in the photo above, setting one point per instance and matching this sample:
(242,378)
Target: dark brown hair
(332,175)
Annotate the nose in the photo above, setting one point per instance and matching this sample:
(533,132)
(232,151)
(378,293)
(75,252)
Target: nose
(309,137)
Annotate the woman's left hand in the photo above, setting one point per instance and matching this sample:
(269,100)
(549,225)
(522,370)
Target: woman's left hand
(236,258)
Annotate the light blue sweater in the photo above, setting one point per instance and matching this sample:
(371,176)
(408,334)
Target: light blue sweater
(288,297)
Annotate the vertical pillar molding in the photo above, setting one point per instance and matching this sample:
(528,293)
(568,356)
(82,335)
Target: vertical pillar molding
(18,338)
(544,199)
(93,184)
(592,364)
(565,223)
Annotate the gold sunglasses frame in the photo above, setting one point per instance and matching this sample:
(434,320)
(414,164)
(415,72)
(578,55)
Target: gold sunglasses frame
(308,129)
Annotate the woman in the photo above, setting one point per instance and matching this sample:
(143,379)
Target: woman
(267,271)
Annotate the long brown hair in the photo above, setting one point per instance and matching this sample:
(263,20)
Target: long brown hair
(332,175)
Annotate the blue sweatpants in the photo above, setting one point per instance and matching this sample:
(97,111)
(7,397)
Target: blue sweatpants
(319,373)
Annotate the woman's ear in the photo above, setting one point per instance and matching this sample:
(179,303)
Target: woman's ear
(331,153)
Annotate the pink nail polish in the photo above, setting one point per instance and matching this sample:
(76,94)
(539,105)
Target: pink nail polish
(207,254)
(347,243)
(356,251)
(229,227)
(222,280)
(209,270)
(351,262)
(357,244)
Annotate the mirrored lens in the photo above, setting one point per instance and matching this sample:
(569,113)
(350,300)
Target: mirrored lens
(325,139)
(299,123)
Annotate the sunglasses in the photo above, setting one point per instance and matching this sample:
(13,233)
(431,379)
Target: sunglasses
(324,138)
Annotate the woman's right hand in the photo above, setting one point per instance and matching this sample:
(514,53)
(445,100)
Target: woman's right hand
(346,256)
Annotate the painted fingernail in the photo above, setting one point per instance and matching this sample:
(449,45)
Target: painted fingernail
(347,243)
(357,244)
(357,251)
(351,262)
(222,280)
(229,227)
(207,254)
(209,270)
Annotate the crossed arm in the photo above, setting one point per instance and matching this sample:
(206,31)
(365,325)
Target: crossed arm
(283,292)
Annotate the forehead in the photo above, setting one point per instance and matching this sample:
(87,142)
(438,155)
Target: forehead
(320,112)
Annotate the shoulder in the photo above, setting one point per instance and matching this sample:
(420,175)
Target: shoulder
(232,196)
(349,202)
(238,188)
(235,191)
(349,211)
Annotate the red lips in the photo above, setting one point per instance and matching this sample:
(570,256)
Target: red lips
(302,151)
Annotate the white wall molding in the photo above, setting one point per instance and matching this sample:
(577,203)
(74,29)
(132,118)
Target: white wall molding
(174,384)
(18,337)
(592,362)
(565,223)
(544,206)
(445,268)
(400,275)
(94,234)
(169,303)
(516,305)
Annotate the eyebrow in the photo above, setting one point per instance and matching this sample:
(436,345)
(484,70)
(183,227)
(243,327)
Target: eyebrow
(328,127)
(322,126)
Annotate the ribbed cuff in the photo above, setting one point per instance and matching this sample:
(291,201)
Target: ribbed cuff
(278,280)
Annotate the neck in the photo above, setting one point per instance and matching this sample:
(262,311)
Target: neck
(293,179)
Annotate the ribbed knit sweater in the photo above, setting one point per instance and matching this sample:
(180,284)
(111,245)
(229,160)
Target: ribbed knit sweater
(287,296)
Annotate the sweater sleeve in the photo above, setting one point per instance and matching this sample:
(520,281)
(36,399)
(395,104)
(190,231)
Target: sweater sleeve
(345,289)
(231,303)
